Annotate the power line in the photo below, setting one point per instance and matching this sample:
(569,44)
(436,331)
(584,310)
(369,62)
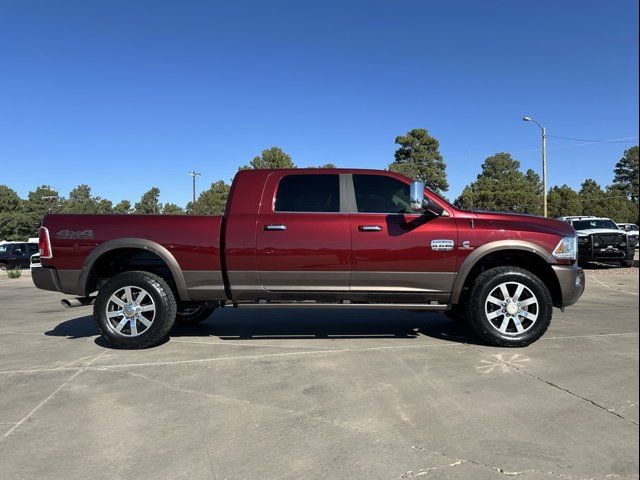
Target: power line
(614,140)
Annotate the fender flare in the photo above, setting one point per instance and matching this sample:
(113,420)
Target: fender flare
(140,244)
(492,247)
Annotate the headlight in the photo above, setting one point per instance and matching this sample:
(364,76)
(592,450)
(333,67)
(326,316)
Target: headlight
(566,249)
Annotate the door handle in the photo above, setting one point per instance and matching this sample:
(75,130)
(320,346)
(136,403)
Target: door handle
(369,228)
(275,227)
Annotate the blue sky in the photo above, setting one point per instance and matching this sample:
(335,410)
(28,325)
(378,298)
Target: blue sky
(125,95)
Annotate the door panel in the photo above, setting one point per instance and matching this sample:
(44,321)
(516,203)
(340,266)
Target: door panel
(395,252)
(303,251)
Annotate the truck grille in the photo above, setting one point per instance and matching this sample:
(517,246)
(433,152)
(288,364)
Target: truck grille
(604,246)
(612,239)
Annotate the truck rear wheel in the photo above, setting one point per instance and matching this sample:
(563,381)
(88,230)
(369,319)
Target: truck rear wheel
(135,309)
(509,307)
(190,315)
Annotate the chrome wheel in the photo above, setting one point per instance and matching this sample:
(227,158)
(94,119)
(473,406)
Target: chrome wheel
(511,308)
(130,311)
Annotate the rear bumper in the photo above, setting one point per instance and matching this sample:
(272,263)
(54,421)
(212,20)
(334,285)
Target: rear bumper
(46,278)
(572,283)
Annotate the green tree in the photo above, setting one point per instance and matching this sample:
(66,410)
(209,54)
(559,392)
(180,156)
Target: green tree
(14,224)
(326,165)
(40,201)
(211,201)
(149,203)
(626,173)
(592,198)
(80,200)
(172,209)
(122,207)
(9,199)
(618,207)
(17,225)
(419,157)
(272,157)
(564,201)
(501,186)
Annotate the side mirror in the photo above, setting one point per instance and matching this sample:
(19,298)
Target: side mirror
(416,195)
(420,203)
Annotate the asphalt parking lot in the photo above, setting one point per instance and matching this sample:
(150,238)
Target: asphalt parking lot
(326,394)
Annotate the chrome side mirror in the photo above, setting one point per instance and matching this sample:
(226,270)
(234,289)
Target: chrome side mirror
(416,195)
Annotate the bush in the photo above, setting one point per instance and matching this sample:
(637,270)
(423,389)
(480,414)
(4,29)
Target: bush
(14,273)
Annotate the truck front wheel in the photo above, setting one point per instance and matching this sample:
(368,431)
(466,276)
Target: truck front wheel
(509,307)
(135,309)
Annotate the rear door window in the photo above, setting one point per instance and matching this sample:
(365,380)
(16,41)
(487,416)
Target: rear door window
(308,193)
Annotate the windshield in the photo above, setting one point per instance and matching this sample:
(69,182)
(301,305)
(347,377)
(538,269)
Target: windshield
(599,223)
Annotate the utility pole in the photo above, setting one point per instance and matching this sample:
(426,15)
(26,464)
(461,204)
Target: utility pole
(49,197)
(193,175)
(544,163)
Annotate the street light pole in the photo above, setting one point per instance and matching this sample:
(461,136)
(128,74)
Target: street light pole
(544,163)
(193,175)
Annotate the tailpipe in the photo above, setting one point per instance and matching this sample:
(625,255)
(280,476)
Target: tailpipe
(77,302)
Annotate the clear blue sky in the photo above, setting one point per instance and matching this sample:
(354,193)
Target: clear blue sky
(124,95)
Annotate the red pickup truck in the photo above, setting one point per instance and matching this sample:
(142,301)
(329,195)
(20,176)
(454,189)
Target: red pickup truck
(343,238)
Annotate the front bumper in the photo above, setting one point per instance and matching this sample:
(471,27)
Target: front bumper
(46,278)
(572,283)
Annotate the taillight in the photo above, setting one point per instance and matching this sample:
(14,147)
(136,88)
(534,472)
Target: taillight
(44,243)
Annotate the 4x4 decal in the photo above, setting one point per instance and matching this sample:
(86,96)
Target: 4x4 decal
(74,235)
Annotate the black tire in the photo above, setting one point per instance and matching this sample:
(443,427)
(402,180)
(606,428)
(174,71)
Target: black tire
(161,299)
(627,263)
(489,282)
(192,315)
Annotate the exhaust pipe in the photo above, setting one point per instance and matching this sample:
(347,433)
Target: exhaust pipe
(77,302)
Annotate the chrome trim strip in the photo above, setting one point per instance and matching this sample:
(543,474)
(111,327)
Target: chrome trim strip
(398,306)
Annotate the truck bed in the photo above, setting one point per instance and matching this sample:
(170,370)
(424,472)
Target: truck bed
(188,244)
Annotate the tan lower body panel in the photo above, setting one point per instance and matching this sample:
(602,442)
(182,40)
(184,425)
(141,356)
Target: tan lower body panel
(246,284)
(204,284)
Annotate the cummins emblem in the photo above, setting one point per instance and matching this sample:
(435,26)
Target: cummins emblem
(442,245)
(74,235)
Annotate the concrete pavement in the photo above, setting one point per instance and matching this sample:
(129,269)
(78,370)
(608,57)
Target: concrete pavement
(320,394)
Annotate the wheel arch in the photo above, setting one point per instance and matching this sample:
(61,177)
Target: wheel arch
(132,245)
(517,253)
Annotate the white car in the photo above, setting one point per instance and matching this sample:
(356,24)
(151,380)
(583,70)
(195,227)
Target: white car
(601,240)
(631,229)
(34,261)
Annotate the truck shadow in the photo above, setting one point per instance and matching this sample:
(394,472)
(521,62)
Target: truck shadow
(291,324)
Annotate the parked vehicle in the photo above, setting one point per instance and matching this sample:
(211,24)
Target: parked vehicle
(16,254)
(315,238)
(632,231)
(35,261)
(600,239)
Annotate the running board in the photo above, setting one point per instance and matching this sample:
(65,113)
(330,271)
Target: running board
(397,306)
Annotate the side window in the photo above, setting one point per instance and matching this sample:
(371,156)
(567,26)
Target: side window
(308,193)
(380,194)
(32,248)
